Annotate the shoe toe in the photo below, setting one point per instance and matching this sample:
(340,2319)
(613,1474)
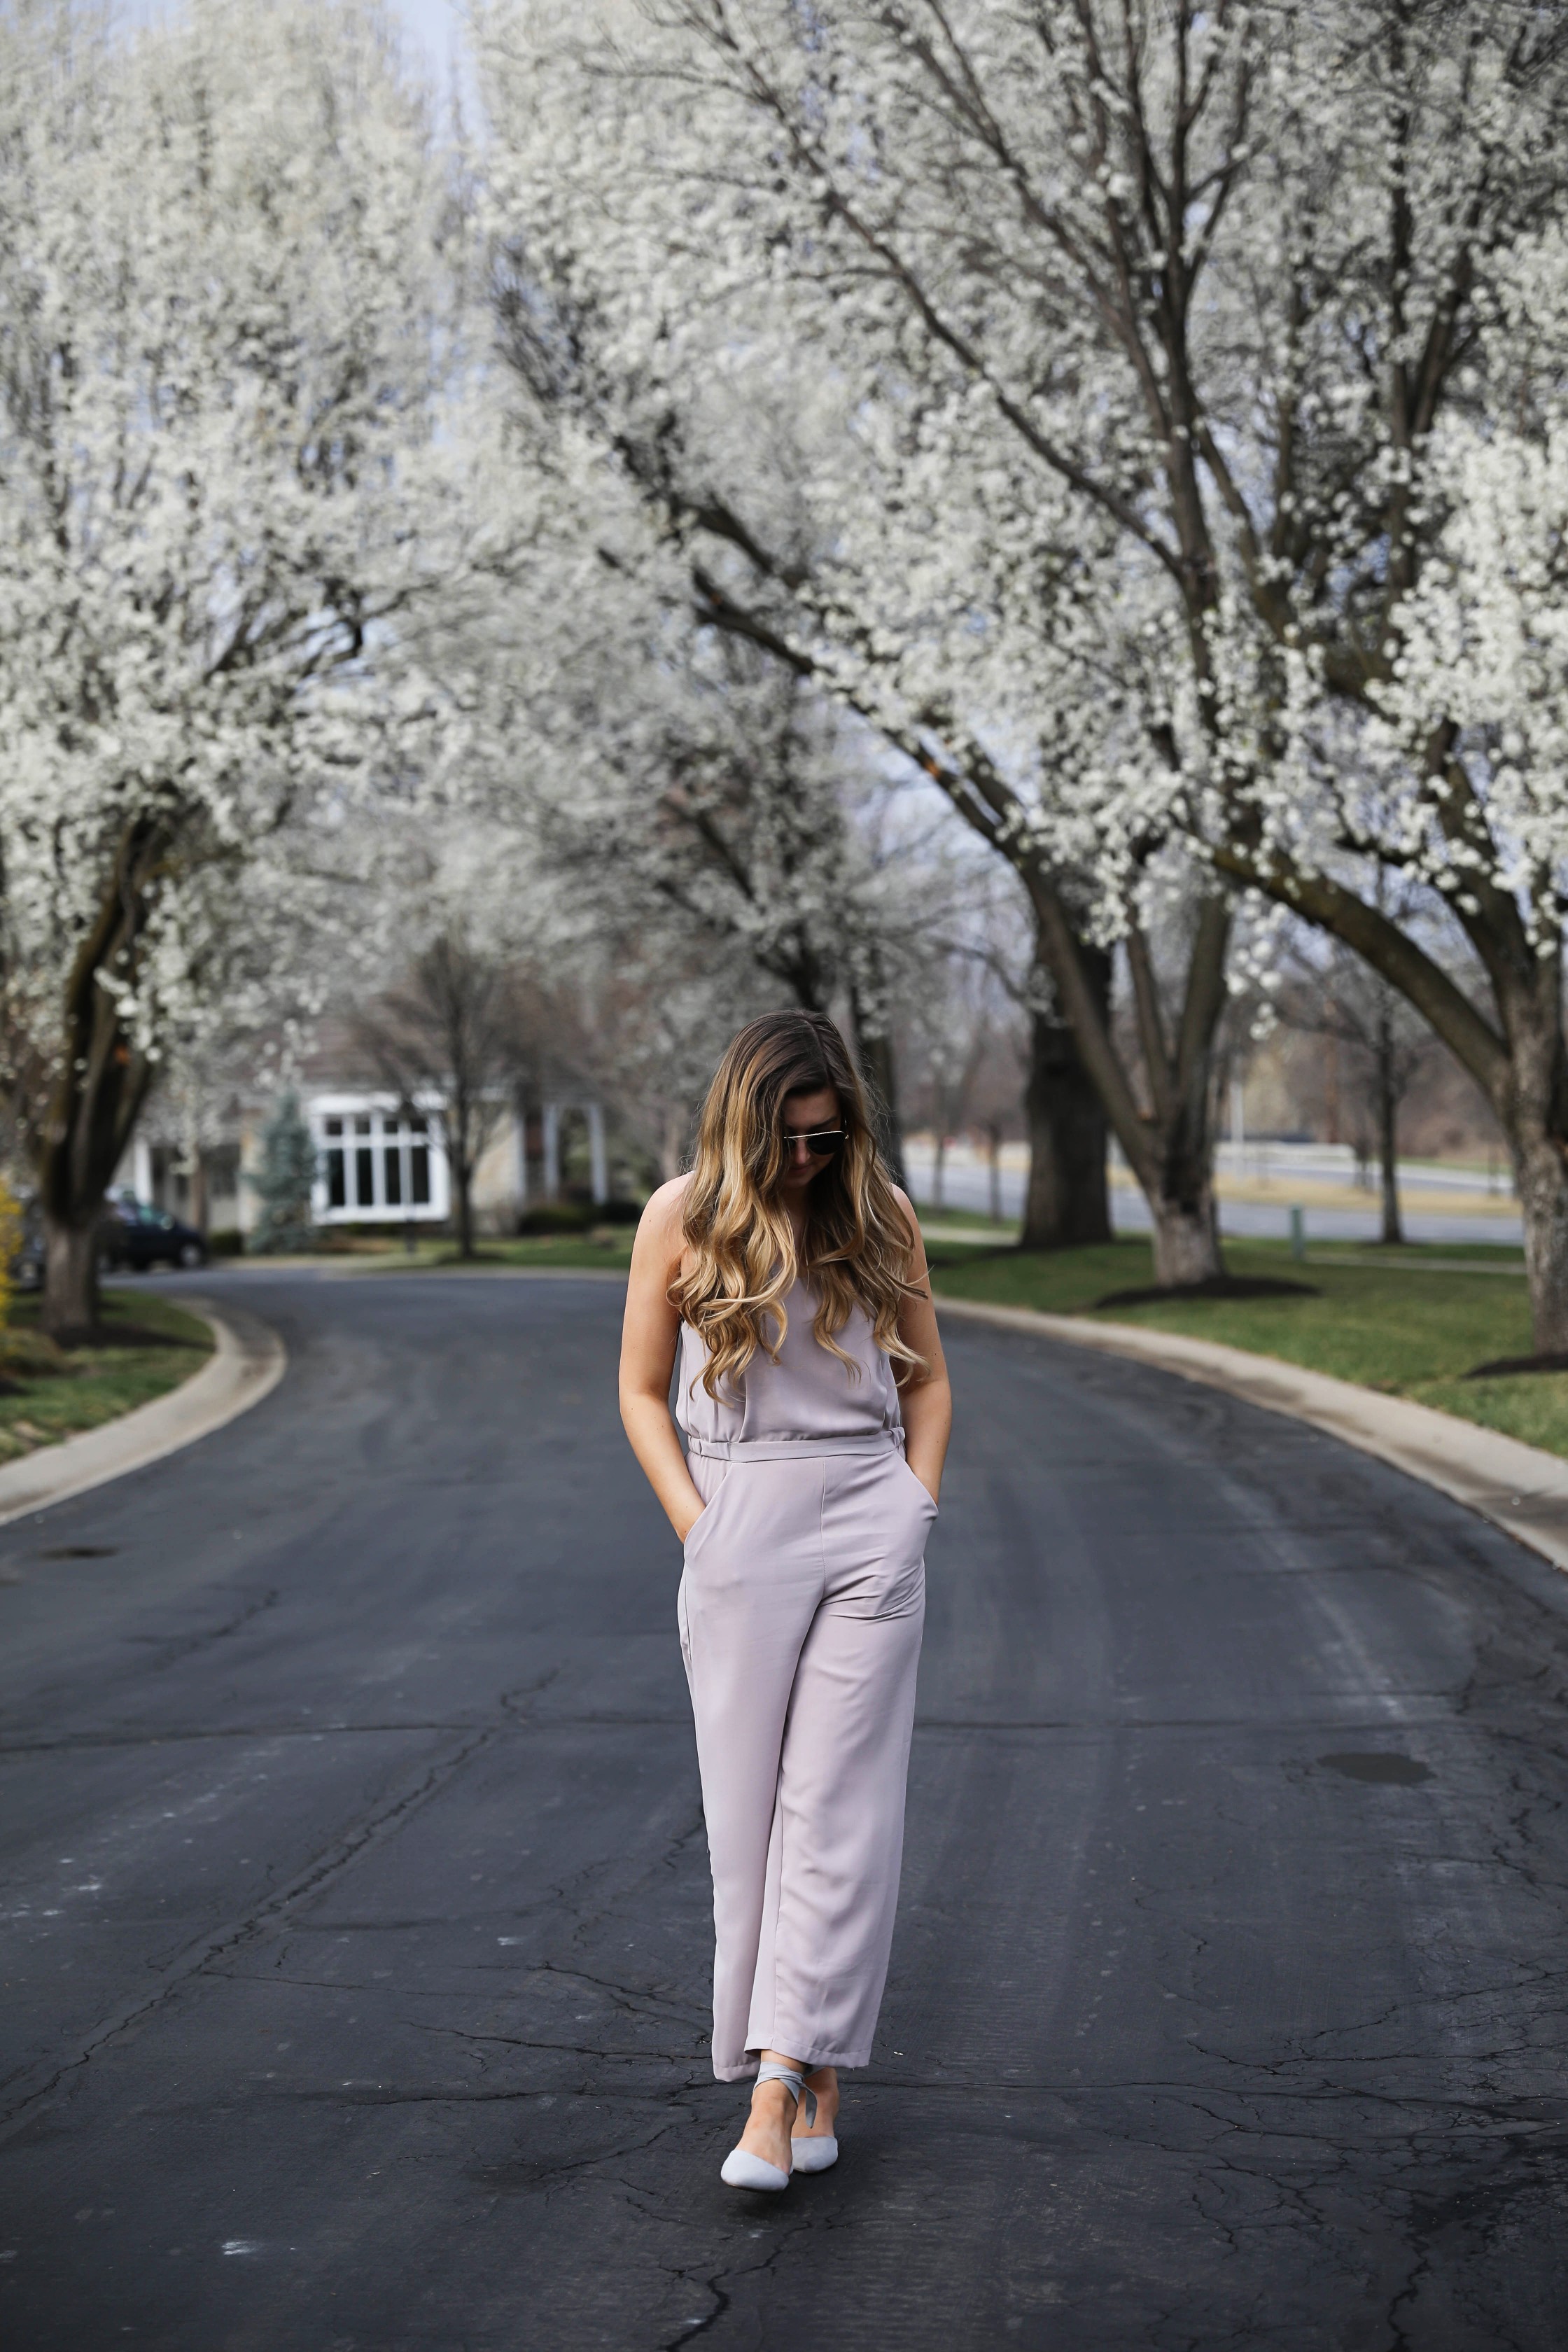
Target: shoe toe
(814,2154)
(740,2169)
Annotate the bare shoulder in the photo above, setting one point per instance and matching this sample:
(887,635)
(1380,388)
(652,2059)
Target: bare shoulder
(663,1207)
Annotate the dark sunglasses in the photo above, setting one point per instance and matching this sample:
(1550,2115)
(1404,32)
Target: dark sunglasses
(822,1142)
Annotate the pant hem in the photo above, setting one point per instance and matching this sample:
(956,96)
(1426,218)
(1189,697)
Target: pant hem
(745,2072)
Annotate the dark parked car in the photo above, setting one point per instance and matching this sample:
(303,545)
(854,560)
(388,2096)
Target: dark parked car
(136,1234)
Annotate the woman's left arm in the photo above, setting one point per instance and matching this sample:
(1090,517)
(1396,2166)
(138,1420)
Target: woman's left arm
(927,1403)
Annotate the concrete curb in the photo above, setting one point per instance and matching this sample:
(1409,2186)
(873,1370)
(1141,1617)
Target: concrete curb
(245,1365)
(1518,1487)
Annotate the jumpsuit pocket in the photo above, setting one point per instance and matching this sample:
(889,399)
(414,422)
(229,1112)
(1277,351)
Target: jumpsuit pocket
(918,1485)
(704,1516)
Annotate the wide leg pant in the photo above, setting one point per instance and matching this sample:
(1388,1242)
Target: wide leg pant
(801,1609)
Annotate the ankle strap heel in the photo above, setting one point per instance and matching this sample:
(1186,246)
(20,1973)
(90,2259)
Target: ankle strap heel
(741,2169)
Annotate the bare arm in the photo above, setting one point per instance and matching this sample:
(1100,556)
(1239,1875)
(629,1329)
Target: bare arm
(648,1339)
(927,1403)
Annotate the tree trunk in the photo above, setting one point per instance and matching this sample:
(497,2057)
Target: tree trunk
(1532,1105)
(1541,1173)
(1068,1203)
(939,1162)
(1186,1240)
(994,1166)
(463,1179)
(1181,1201)
(98,1096)
(70,1279)
(881,1081)
(1388,1129)
(1170,1154)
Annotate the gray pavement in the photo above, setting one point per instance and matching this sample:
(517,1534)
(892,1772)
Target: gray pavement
(355,1918)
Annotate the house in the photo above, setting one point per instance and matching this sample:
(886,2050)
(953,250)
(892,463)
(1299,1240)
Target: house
(381,1161)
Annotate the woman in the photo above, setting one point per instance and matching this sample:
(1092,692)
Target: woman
(817,1410)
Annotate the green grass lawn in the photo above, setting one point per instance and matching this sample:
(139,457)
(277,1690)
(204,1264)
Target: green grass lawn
(1391,1319)
(47,1392)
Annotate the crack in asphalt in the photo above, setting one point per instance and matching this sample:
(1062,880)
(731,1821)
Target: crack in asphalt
(57,2075)
(638,2000)
(1293,1726)
(788,2227)
(176,1646)
(374,2094)
(89,1742)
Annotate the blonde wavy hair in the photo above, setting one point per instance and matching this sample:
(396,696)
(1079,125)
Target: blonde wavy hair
(856,1245)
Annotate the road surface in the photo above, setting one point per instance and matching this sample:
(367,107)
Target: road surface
(355,1918)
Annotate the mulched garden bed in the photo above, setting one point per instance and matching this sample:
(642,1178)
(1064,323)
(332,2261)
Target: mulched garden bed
(1504,1367)
(1218,1285)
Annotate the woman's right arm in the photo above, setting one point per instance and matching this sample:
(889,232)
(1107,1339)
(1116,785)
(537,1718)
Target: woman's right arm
(648,1340)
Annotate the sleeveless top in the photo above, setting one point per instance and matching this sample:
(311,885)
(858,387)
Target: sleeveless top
(808,1397)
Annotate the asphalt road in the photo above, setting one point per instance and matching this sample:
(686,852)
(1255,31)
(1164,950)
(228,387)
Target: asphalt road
(356,1916)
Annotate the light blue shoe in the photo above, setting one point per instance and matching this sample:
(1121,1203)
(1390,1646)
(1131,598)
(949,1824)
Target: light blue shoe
(814,2154)
(741,2169)
(809,2153)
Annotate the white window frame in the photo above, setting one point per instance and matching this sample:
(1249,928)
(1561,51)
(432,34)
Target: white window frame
(386,1131)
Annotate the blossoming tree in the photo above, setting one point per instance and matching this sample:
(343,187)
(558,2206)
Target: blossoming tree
(1178,354)
(219,303)
(866,525)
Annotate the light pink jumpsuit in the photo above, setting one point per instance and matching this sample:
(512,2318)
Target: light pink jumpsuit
(801,1607)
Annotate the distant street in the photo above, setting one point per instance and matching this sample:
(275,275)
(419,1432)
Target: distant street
(348,1771)
(1438,1205)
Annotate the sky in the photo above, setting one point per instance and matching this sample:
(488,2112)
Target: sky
(434,25)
